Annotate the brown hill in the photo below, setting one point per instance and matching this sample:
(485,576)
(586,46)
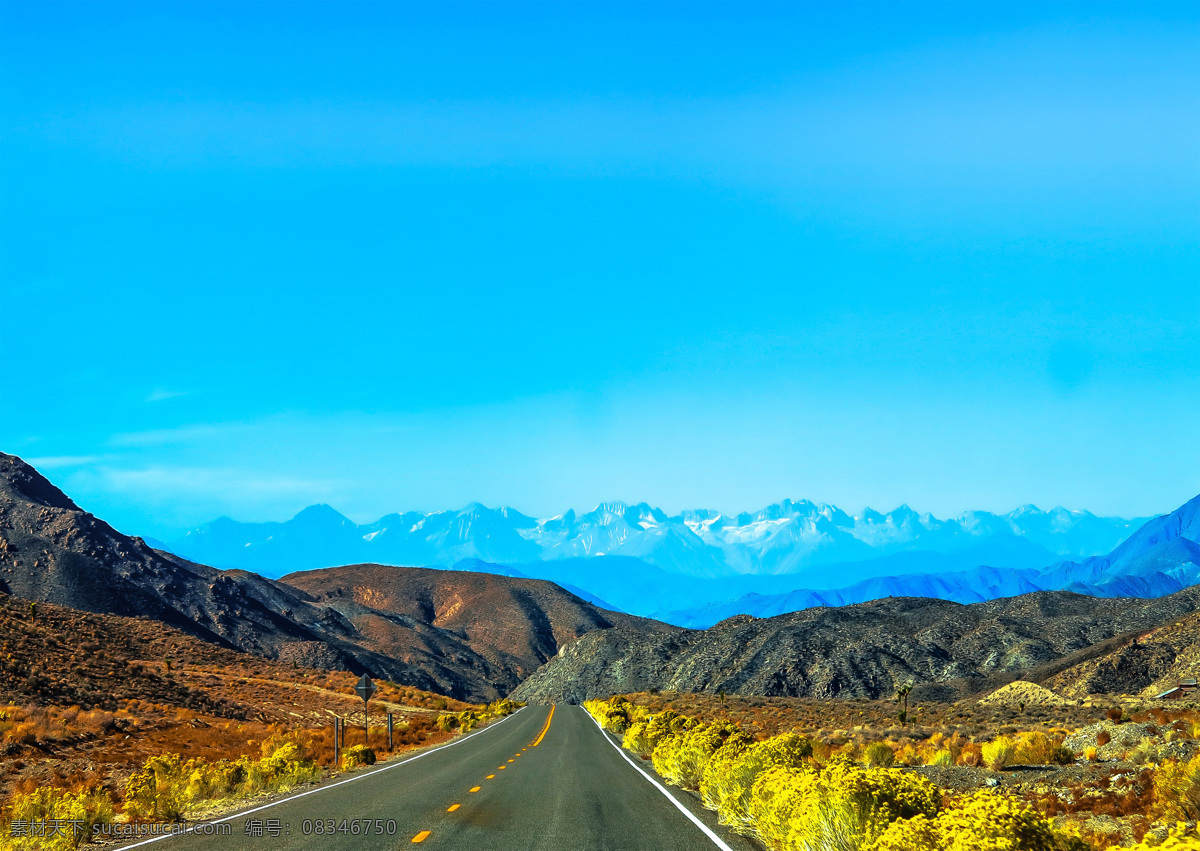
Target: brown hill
(403,626)
(499,628)
(867,650)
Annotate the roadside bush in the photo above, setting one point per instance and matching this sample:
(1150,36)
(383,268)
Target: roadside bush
(166,787)
(681,759)
(613,715)
(46,804)
(358,755)
(841,806)
(158,792)
(980,822)
(716,770)
(644,736)
(731,785)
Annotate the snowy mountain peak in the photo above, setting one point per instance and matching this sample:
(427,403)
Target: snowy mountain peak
(786,537)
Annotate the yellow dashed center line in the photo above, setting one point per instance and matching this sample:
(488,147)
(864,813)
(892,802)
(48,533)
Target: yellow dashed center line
(542,734)
(424,834)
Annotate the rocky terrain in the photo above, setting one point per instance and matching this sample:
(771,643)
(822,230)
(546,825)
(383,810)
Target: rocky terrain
(52,551)
(867,650)
(1154,663)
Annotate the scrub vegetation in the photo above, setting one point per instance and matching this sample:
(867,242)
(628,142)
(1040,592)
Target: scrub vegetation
(798,786)
(134,722)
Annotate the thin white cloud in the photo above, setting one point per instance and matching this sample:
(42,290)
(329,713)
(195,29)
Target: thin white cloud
(60,462)
(217,481)
(161,395)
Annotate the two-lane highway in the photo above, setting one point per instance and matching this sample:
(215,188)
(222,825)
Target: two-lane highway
(545,778)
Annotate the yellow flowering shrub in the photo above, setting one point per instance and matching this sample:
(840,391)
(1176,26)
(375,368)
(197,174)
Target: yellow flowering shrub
(613,714)
(980,822)
(1177,790)
(1033,748)
(166,786)
(730,785)
(643,736)
(1182,837)
(46,804)
(775,798)
(840,806)
(681,758)
(714,776)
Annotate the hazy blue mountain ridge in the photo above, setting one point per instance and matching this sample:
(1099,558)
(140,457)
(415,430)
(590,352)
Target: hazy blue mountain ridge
(812,543)
(1160,558)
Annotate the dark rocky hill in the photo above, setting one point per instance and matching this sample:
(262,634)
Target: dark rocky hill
(53,551)
(866,650)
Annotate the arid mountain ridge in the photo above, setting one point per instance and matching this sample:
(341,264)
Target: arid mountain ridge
(53,551)
(865,650)
(481,635)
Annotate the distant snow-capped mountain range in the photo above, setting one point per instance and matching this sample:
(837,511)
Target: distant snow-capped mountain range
(699,567)
(789,538)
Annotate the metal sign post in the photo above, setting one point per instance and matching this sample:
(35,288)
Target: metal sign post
(365,689)
(390,728)
(337,742)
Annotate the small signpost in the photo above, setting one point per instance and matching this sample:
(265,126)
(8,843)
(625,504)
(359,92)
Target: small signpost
(391,726)
(365,689)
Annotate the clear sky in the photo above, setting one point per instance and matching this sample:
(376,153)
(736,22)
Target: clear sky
(400,256)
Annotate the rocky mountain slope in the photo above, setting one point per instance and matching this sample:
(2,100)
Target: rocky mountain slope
(864,650)
(1156,661)
(53,551)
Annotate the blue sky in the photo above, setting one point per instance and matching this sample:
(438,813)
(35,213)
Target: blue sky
(406,256)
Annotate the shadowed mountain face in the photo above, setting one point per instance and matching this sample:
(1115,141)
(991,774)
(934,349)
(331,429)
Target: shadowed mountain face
(406,630)
(867,650)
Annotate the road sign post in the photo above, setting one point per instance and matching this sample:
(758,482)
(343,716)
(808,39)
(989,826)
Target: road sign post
(365,689)
(337,742)
(391,726)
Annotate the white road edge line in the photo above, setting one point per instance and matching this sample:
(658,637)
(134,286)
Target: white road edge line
(324,788)
(718,841)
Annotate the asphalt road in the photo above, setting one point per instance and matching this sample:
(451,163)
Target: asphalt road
(543,778)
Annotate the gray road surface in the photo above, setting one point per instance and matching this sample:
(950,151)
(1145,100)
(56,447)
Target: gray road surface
(571,791)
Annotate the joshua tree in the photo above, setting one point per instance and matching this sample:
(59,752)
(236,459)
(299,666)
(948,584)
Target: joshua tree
(33,611)
(902,697)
